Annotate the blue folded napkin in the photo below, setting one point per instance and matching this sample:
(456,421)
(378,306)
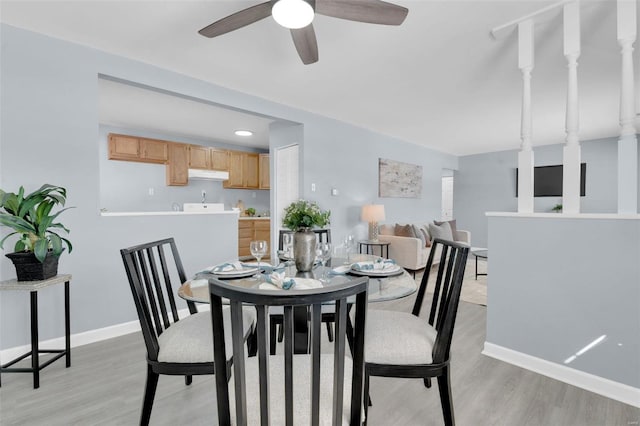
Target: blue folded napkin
(227,267)
(279,280)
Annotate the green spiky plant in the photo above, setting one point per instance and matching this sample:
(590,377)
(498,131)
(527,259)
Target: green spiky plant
(31,217)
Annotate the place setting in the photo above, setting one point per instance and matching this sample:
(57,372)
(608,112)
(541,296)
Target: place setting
(379,268)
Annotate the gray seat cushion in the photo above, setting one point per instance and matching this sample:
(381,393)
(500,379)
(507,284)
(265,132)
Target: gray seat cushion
(398,338)
(301,390)
(191,339)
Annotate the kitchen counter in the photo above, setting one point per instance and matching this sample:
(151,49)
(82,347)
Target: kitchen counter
(254,217)
(170,213)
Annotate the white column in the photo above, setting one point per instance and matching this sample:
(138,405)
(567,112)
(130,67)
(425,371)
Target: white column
(571,152)
(525,156)
(627,144)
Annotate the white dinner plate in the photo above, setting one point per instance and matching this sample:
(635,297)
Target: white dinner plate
(389,272)
(244,272)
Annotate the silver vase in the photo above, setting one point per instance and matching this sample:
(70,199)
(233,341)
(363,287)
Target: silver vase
(304,249)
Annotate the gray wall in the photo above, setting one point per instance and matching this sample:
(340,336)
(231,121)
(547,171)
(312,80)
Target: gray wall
(556,285)
(50,133)
(486,182)
(124,185)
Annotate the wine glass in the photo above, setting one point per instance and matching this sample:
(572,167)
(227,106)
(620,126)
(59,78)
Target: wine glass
(323,252)
(350,244)
(287,245)
(258,250)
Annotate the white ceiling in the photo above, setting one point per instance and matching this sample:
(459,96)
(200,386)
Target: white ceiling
(128,106)
(438,80)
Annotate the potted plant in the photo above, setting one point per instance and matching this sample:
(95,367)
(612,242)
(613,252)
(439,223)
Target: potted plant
(250,212)
(301,216)
(557,208)
(30,216)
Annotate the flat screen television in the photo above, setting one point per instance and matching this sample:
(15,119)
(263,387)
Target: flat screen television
(547,181)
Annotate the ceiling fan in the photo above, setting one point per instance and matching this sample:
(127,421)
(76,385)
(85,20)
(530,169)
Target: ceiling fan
(297,15)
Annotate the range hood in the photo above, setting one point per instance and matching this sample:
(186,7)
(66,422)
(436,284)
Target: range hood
(208,174)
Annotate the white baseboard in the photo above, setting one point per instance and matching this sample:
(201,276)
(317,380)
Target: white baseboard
(614,390)
(86,337)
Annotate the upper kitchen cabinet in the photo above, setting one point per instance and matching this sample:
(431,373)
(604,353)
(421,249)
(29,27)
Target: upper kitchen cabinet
(264,172)
(131,148)
(243,170)
(178,164)
(202,157)
(199,157)
(219,159)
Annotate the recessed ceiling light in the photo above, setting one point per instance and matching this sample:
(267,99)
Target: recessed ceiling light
(244,133)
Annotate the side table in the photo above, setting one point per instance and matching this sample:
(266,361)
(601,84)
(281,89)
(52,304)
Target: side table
(33,287)
(369,247)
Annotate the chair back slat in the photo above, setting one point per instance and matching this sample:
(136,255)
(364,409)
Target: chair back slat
(240,383)
(417,306)
(167,282)
(263,361)
(151,298)
(357,353)
(438,284)
(338,360)
(316,333)
(454,256)
(445,289)
(157,285)
(311,301)
(220,363)
(288,365)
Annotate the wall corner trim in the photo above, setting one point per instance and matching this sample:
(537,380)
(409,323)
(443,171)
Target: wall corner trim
(605,387)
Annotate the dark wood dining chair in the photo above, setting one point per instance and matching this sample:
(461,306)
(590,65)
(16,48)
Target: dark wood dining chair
(174,346)
(316,388)
(322,236)
(400,344)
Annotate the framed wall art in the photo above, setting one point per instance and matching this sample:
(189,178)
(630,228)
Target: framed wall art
(399,180)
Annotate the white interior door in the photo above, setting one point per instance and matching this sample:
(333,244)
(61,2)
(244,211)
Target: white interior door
(287,188)
(447,197)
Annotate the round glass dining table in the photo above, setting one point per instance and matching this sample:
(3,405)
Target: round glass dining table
(381,288)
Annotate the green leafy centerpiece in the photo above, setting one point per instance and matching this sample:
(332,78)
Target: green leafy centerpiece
(301,216)
(31,218)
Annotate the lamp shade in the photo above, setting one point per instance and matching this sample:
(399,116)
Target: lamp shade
(372,212)
(292,13)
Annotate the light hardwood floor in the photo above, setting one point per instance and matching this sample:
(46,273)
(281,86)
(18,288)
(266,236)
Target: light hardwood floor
(105,383)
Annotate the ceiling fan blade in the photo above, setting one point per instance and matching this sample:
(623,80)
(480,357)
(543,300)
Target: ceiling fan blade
(306,44)
(370,11)
(238,20)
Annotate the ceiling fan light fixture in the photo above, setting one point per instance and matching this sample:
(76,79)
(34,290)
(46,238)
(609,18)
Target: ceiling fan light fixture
(293,14)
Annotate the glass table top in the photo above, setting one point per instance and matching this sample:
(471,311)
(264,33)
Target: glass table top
(380,288)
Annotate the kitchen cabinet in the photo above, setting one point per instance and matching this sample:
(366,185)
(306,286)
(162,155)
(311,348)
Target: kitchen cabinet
(251,230)
(199,157)
(202,157)
(263,169)
(131,148)
(219,159)
(243,170)
(178,164)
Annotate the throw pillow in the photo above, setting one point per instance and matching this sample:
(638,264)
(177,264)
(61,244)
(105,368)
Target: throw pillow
(404,231)
(442,232)
(452,223)
(420,235)
(427,238)
(386,230)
